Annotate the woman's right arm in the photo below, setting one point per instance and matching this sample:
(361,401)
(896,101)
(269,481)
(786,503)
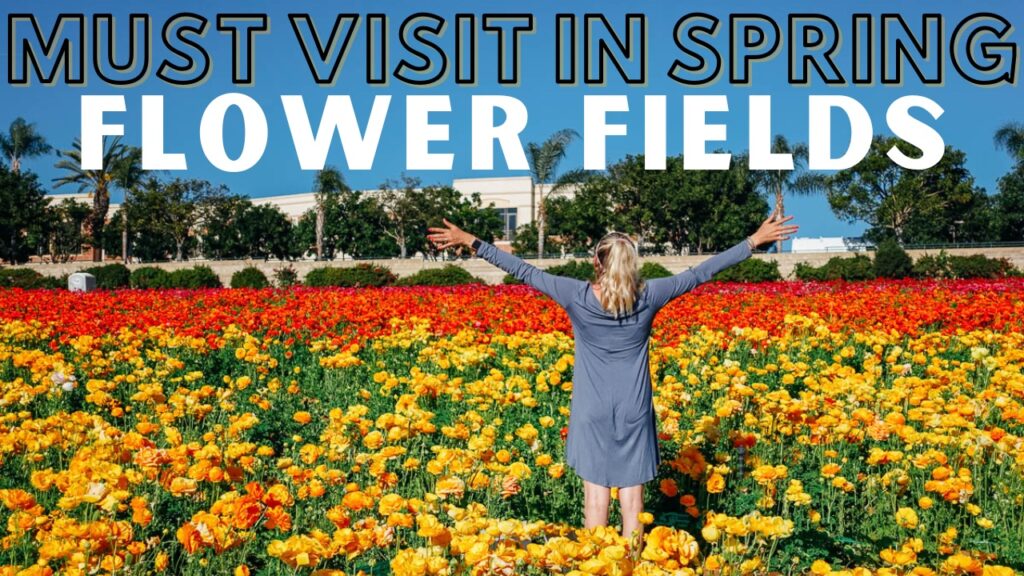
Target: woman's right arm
(558,288)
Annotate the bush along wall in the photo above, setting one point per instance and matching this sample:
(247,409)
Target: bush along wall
(450,275)
(360,275)
(249,277)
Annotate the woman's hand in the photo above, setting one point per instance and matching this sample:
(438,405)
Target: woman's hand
(772,230)
(450,236)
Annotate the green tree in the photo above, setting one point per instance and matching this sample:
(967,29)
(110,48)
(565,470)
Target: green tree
(351,225)
(774,183)
(1008,206)
(1010,137)
(328,185)
(184,199)
(219,227)
(402,204)
(580,221)
(697,209)
(265,231)
(64,229)
(23,207)
(22,141)
(889,198)
(712,209)
(544,159)
(118,160)
(468,213)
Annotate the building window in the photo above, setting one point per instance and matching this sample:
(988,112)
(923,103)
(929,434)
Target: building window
(508,216)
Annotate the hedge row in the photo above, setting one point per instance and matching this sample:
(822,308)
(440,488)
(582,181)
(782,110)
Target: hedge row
(890,261)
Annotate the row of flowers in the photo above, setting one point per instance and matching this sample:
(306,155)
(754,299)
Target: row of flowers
(193,432)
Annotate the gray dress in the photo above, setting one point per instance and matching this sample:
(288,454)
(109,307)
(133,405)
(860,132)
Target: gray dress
(612,438)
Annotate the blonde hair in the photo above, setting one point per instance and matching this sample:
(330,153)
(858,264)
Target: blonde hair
(618,273)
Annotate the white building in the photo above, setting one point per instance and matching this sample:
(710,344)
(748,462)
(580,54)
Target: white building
(829,244)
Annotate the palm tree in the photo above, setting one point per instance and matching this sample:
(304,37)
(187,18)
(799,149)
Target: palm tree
(329,181)
(1010,137)
(544,159)
(129,178)
(774,182)
(118,160)
(22,141)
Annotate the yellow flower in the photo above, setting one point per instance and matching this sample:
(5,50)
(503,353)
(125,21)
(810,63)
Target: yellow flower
(716,483)
(907,518)
(645,518)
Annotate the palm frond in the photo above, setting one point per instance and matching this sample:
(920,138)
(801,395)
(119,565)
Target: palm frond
(1010,137)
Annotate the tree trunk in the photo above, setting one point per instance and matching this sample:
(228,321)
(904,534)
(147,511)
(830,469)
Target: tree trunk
(124,241)
(540,228)
(97,220)
(319,232)
(15,164)
(779,208)
(533,200)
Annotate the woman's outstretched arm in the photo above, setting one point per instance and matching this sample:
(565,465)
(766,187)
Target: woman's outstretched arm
(664,290)
(557,287)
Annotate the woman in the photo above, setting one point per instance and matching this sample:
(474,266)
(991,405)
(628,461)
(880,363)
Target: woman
(612,438)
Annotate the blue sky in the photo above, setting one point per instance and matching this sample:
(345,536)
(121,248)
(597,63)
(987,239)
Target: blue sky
(972,113)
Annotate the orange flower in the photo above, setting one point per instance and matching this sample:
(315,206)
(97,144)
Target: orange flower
(668,487)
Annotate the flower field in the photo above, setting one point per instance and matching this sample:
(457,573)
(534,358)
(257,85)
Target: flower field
(854,428)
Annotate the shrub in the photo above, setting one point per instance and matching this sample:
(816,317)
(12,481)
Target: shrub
(933,266)
(578,269)
(286,276)
(651,270)
(249,277)
(450,275)
(367,274)
(750,270)
(943,265)
(110,276)
(319,277)
(980,266)
(149,277)
(26,278)
(892,261)
(364,274)
(858,267)
(196,277)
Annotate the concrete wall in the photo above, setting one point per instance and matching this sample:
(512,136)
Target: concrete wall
(493,275)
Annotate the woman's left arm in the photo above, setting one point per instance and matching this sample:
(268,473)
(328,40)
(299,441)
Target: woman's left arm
(666,289)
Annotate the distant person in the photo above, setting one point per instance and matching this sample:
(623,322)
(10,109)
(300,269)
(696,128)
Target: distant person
(612,439)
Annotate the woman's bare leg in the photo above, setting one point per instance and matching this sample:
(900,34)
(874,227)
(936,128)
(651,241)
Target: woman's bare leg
(595,504)
(631,503)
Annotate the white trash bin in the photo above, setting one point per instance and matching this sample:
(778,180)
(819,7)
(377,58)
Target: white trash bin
(81,282)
